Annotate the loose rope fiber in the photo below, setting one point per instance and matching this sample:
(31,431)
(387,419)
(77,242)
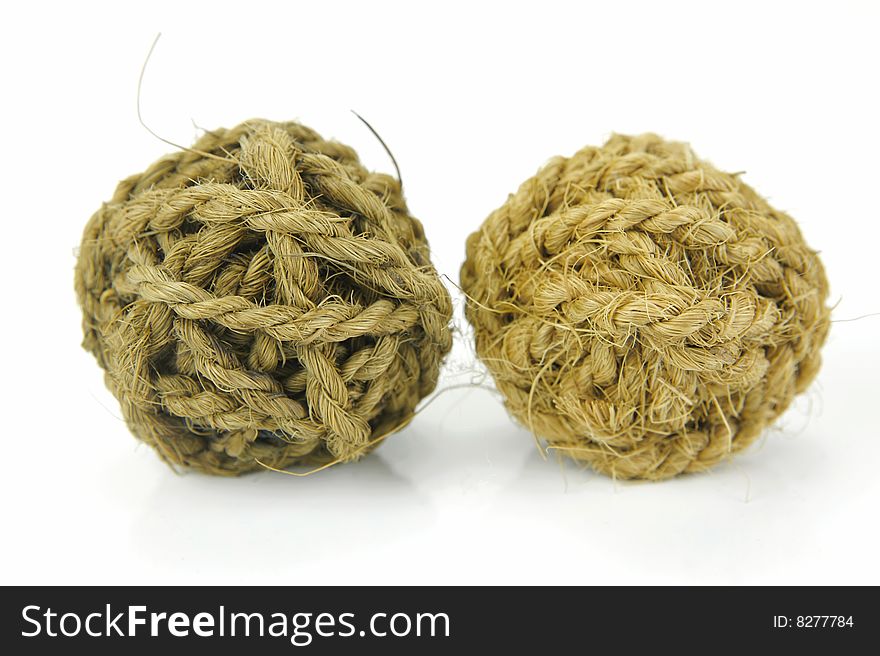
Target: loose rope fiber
(642,311)
(262,299)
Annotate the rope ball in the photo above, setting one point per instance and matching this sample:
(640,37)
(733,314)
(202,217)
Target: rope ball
(642,311)
(262,300)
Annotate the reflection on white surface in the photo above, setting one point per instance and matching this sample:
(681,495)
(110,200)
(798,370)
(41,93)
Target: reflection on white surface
(461,496)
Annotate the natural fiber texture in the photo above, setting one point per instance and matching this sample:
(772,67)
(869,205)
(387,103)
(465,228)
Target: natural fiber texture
(262,298)
(643,311)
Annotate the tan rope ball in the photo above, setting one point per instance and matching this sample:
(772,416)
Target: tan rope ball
(262,298)
(642,311)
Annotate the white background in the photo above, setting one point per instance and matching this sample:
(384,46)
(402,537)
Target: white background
(472,98)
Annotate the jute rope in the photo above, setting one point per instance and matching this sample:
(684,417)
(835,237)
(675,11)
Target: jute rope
(642,311)
(262,299)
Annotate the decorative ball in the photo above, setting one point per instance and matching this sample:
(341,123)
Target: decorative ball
(262,299)
(642,311)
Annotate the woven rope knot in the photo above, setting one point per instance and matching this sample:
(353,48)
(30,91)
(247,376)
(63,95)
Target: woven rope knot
(262,298)
(643,311)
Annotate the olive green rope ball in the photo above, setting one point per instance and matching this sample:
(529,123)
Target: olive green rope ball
(642,311)
(262,300)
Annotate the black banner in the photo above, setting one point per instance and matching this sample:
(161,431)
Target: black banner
(434,620)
